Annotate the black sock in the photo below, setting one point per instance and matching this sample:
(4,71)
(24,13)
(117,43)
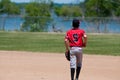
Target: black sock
(72,73)
(78,72)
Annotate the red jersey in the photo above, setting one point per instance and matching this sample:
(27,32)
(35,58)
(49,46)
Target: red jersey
(74,36)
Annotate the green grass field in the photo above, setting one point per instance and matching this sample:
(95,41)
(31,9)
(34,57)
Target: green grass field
(105,44)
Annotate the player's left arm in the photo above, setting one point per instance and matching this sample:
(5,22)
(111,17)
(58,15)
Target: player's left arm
(84,40)
(66,42)
(66,45)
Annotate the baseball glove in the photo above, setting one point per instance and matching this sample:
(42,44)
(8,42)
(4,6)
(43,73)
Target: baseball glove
(67,55)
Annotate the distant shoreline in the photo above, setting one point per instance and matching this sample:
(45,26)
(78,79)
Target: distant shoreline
(13,23)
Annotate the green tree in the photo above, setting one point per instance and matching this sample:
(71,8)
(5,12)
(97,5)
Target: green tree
(65,11)
(57,10)
(76,11)
(7,6)
(98,8)
(68,11)
(117,13)
(38,15)
(37,9)
(116,7)
(101,8)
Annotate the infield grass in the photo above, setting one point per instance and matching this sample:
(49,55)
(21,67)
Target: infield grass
(105,44)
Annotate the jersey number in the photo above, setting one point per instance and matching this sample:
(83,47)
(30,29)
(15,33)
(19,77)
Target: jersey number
(75,36)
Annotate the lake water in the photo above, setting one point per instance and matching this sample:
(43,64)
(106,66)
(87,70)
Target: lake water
(14,23)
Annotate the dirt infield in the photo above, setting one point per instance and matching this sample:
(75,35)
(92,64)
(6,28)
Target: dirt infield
(16,65)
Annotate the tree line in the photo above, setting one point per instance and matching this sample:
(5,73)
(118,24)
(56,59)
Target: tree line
(42,9)
(88,8)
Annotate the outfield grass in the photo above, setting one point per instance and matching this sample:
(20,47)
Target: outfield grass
(105,44)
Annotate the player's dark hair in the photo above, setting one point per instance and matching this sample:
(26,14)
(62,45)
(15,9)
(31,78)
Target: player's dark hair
(75,23)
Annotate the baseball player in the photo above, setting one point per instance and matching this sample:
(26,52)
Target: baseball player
(75,40)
